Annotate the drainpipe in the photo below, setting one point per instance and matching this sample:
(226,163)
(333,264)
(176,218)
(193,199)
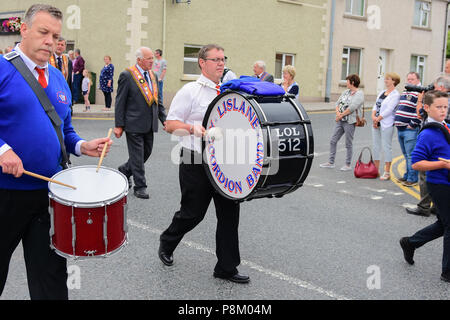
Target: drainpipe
(164,27)
(444,51)
(330,53)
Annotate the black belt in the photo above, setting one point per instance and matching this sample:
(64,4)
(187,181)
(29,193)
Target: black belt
(189,156)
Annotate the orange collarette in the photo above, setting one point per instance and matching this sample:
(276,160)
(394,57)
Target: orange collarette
(143,85)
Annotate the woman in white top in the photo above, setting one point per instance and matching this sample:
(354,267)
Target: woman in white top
(383,114)
(288,84)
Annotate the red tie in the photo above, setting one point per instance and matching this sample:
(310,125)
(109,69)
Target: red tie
(218,89)
(448,129)
(41,78)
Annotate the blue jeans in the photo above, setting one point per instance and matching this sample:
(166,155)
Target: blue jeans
(407,139)
(160,90)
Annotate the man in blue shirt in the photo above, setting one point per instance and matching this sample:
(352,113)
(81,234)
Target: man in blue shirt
(29,141)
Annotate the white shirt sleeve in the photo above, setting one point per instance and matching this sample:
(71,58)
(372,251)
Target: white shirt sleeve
(4,148)
(180,107)
(78,147)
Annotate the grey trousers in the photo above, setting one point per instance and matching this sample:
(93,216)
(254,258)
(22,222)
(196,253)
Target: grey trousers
(425,197)
(339,130)
(140,147)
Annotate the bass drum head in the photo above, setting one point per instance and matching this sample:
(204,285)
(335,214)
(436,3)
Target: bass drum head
(92,188)
(233,148)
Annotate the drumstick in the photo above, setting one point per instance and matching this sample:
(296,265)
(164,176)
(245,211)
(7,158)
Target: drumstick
(215,133)
(442,159)
(104,150)
(47,179)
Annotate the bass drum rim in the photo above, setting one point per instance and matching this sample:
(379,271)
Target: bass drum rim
(252,100)
(205,124)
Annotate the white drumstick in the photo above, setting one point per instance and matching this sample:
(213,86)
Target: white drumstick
(215,133)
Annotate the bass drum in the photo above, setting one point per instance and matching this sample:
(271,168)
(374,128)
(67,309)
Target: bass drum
(256,146)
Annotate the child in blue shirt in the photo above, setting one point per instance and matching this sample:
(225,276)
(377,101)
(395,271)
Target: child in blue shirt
(430,154)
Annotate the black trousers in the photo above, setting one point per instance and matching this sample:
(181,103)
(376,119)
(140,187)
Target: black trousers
(24,217)
(140,147)
(440,195)
(196,195)
(108,99)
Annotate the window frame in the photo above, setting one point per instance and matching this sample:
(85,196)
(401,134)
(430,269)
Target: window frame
(422,13)
(189,59)
(283,63)
(419,64)
(350,13)
(347,56)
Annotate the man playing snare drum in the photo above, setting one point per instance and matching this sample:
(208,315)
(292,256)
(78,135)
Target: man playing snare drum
(184,119)
(28,141)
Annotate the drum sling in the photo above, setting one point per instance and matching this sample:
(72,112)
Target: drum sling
(18,63)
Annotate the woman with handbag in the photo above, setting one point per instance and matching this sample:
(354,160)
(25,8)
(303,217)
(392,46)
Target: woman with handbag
(350,101)
(383,114)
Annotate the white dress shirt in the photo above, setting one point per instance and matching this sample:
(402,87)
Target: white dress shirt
(148,76)
(189,106)
(31,65)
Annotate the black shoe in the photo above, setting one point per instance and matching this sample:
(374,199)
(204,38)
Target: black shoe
(408,250)
(418,212)
(237,278)
(167,259)
(433,211)
(141,193)
(445,277)
(130,183)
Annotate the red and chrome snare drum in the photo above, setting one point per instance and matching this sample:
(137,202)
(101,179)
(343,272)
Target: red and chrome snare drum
(90,221)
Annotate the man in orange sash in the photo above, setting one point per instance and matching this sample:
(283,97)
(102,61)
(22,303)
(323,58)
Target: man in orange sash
(62,62)
(137,110)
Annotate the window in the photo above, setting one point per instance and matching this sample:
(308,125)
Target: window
(355,7)
(281,60)
(70,45)
(351,62)
(418,65)
(190,66)
(422,10)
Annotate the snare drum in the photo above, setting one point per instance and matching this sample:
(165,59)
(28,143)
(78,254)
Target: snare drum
(90,221)
(265,147)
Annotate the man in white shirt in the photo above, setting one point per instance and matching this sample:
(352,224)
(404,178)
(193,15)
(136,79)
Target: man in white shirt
(185,120)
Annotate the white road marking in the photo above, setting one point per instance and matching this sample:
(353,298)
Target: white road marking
(409,205)
(395,193)
(376,197)
(275,274)
(315,185)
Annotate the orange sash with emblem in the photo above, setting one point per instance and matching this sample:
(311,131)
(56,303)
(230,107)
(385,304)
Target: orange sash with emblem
(65,64)
(143,85)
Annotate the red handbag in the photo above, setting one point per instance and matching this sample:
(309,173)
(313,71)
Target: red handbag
(365,170)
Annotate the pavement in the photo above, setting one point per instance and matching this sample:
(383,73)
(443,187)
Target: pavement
(97,110)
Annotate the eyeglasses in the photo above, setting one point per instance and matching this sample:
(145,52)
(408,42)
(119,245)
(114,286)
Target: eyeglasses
(216,60)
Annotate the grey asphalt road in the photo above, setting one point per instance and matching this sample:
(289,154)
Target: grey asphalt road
(334,238)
